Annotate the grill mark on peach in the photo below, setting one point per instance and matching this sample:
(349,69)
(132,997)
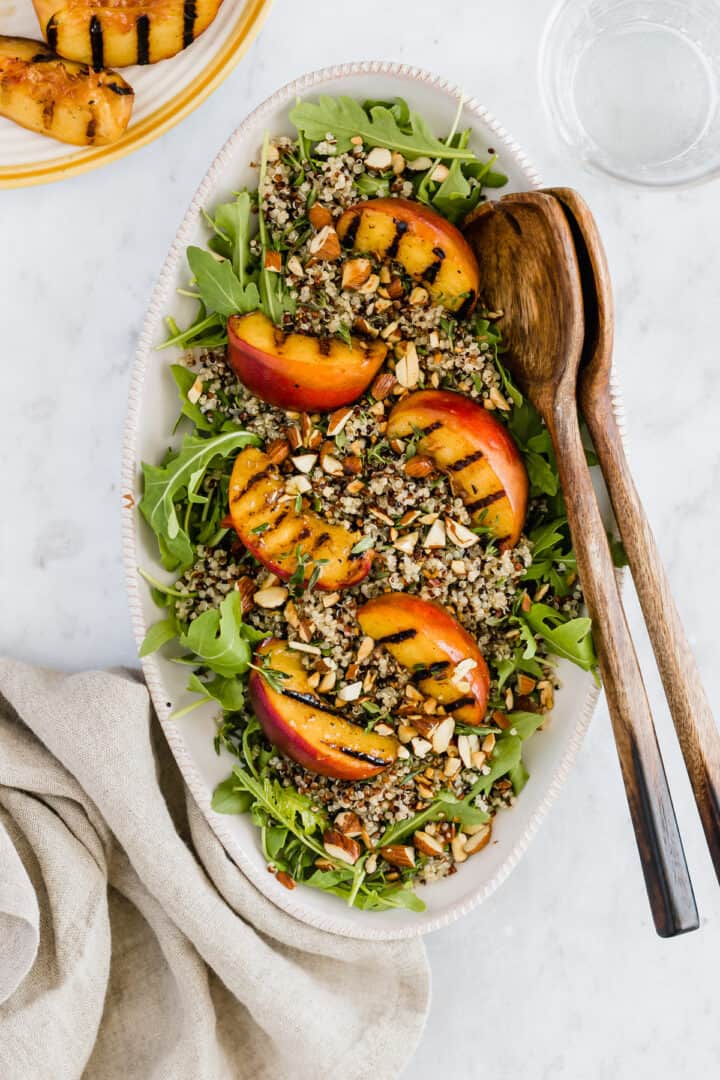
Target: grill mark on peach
(351,232)
(359,754)
(97,45)
(401,228)
(488,500)
(189,16)
(431,272)
(430,671)
(396,638)
(459,703)
(51,33)
(462,463)
(431,427)
(142,33)
(237,495)
(312,701)
(324,346)
(90,130)
(48,113)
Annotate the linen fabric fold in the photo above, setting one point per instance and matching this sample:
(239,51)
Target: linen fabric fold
(132,946)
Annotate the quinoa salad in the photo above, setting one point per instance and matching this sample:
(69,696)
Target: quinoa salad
(371,575)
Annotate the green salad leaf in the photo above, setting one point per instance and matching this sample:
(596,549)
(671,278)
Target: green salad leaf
(219,286)
(379,126)
(571,639)
(158,635)
(178,481)
(227,798)
(221,641)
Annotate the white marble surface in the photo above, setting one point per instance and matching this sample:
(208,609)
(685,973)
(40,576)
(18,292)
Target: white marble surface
(560,974)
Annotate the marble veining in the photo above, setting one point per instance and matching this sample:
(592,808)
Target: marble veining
(559,975)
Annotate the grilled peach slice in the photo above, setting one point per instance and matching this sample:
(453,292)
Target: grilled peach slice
(429,248)
(295,371)
(121,32)
(475,450)
(56,97)
(274,531)
(424,637)
(308,729)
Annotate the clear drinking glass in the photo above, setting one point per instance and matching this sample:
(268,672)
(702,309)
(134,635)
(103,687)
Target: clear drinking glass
(633,86)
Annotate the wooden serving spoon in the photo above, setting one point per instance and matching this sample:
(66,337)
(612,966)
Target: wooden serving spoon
(530,273)
(694,723)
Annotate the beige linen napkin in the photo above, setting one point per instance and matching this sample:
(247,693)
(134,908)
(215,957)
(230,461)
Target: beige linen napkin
(132,947)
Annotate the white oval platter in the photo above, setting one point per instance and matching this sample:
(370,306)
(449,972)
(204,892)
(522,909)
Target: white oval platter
(152,413)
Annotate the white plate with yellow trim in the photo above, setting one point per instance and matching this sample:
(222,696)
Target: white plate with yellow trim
(164,93)
(152,413)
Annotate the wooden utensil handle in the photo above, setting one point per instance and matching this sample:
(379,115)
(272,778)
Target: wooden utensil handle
(694,723)
(661,853)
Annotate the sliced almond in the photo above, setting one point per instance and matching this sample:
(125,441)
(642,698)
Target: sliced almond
(478,759)
(398,163)
(380,515)
(440,173)
(298,485)
(421,747)
(463,745)
(195,391)
(273,261)
(498,400)
(319,216)
(351,692)
(366,647)
(327,682)
(407,543)
(338,419)
(330,599)
(302,646)
(326,244)
(369,286)
(355,273)
(331,465)
(442,735)
(462,669)
(407,369)
(398,855)
(419,296)
(341,847)
(274,597)
(389,330)
(304,463)
(383,729)
(488,743)
(419,164)
(405,733)
(348,823)
(460,535)
(436,536)
(452,766)
(295,266)
(379,158)
(419,465)
(457,846)
(479,840)
(427,844)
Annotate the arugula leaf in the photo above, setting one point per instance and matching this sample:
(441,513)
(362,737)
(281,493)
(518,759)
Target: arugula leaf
(571,639)
(506,756)
(525,724)
(157,636)
(374,186)
(184,380)
(180,478)
(232,220)
(217,638)
(219,286)
(456,197)
(345,117)
(275,299)
(204,332)
(228,693)
(227,798)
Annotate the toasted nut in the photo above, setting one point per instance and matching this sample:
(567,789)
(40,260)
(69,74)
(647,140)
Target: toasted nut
(460,535)
(436,535)
(277,450)
(284,878)
(362,326)
(366,647)
(463,745)
(407,370)
(355,273)
(424,791)
(330,599)
(342,847)
(355,487)
(380,515)
(501,720)
(442,735)
(195,392)
(395,289)
(398,855)
(331,465)
(348,823)
(383,729)
(351,692)
(405,733)
(419,164)
(272,153)
(328,682)
(412,693)
(478,759)
(398,163)
(428,519)
(419,465)
(291,615)
(370,286)
(510,700)
(382,385)
(295,266)
(298,485)
(457,846)
(403,752)
(352,465)
(419,296)
(426,844)
(488,743)
(302,646)
(338,419)
(481,839)
(452,766)
(421,747)
(426,725)
(379,158)
(273,597)
(407,543)
(319,216)
(547,697)
(305,463)
(462,669)
(326,244)
(389,330)
(294,437)
(407,519)
(440,173)
(458,567)
(246,587)
(314,680)
(371,864)
(273,261)
(498,400)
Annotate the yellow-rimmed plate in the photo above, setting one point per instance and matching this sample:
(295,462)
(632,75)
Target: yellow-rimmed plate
(164,94)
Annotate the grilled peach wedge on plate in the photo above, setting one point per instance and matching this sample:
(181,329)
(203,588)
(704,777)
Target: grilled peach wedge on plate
(267,519)
(296,371)
(45,93)
(108,32)
(475,450)
(308,729)
(445,660)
